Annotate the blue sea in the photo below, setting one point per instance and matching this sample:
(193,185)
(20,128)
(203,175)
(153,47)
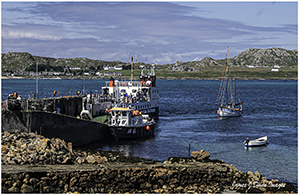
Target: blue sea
(188,116)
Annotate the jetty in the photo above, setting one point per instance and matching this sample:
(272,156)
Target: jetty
(40,116)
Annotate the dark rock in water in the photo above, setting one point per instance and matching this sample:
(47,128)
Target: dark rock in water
(200,155)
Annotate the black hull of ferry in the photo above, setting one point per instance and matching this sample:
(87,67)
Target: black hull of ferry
(121,132)
(154,114)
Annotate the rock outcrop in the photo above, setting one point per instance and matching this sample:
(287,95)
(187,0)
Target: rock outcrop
(266,57)
(200,155)
(20,148)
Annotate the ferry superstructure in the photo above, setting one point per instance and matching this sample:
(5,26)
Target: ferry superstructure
(140,95)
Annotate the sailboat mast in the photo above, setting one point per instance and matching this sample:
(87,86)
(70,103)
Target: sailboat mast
(36,80)
(227,76)
(227,58)
(234,90)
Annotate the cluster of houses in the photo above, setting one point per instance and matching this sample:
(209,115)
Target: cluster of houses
(274,69)
(117,67)
(179,67)
(75,71)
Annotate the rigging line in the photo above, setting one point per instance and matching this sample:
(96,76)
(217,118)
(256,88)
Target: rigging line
(227,77)
(220,90)
(221,87)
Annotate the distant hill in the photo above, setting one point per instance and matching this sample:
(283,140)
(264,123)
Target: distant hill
(272,56)
(23,60)
(257,57)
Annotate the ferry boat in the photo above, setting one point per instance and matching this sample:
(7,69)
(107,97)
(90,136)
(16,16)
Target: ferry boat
(122,97)
(140,95)
(127,123)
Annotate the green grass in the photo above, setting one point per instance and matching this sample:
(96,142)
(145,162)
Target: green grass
(215,72)
(240,72)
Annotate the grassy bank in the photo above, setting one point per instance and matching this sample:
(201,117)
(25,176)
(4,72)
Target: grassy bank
(216,73)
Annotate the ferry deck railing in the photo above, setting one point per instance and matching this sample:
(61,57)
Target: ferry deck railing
(120,83)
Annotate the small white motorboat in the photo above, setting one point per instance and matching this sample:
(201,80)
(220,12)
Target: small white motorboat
(257,142)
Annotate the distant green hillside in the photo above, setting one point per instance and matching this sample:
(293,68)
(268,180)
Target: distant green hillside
(257,57)
(23,60)
(263,59)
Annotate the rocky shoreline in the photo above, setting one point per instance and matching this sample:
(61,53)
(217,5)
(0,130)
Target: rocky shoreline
(35,164)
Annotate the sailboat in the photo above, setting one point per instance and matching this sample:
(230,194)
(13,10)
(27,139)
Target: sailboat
(226,99)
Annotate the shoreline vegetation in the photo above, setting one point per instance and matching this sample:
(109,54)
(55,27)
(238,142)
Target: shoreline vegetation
(135,78)
(206,73)
(35,164)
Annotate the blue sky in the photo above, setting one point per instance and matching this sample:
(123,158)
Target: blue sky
(157,32)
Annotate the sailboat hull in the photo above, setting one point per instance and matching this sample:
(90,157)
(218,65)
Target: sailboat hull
(229,112)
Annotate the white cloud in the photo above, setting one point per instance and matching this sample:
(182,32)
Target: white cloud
(39,32)
(169,57)
(7,34)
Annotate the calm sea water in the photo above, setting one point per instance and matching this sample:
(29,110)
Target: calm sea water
(188,116)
